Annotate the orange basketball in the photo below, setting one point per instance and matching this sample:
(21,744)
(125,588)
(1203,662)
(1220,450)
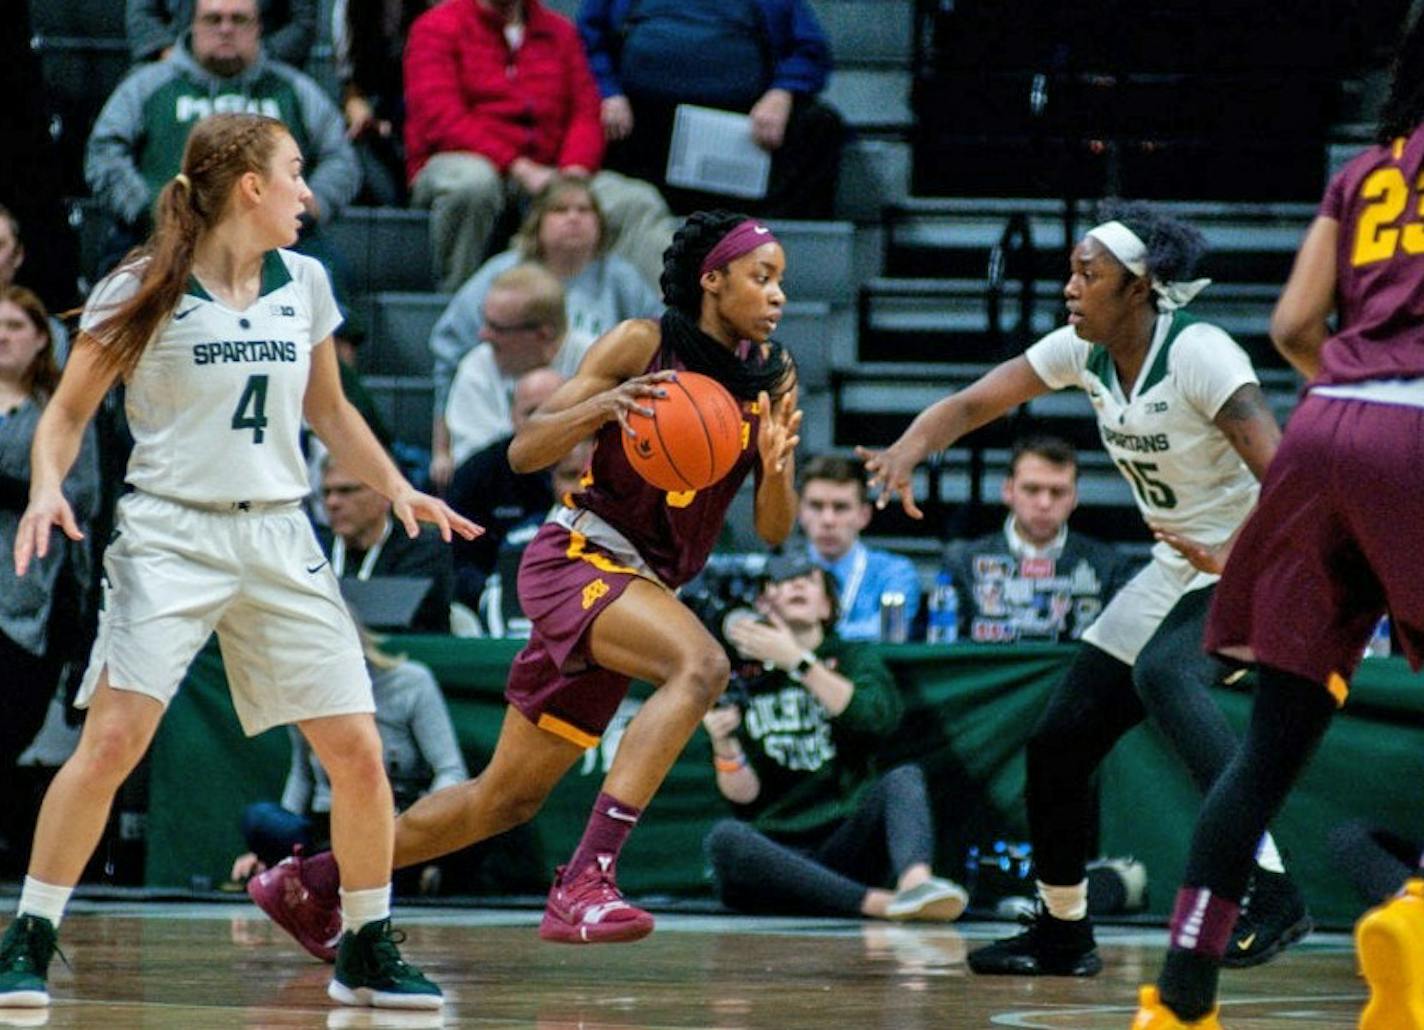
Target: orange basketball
(693,438)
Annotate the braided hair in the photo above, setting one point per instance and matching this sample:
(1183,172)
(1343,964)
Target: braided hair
(1404,107)
(682,293)
(1174,248)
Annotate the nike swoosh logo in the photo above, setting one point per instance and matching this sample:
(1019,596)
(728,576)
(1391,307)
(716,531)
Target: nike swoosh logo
(317,568)
(1245,943)
(614,812)
(178,316)
(760,230)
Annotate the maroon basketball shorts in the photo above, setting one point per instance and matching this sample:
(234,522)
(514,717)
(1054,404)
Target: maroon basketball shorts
(566,580)
(1333,540)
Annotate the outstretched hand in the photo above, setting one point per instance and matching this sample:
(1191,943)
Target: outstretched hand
(412,507)
(777,430)
(41,516)
(890,474)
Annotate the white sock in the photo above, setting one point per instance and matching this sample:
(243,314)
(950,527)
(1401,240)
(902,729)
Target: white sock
(44,900)
(361,907)
(1065,902)
(1267,857)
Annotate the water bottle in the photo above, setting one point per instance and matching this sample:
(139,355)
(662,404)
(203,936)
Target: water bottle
(943,624)
(1379,645)
(892,618)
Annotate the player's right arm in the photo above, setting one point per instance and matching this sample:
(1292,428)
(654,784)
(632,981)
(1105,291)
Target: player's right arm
(608,385)
(1298,325)
(993,394)
(87,377)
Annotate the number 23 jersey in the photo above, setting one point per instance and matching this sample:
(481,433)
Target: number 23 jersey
(1184,473)
(215,402)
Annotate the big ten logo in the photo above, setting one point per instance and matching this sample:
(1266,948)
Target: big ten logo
(282,311)
(600,759)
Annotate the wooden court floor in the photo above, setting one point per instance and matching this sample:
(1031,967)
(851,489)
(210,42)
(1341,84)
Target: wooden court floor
(161,966)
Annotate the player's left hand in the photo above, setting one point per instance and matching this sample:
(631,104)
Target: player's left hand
(1210,558)
(413,507)
(777,431)
(45,511)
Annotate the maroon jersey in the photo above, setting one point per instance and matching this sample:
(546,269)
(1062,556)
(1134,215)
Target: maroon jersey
(1378,199)
(674,532)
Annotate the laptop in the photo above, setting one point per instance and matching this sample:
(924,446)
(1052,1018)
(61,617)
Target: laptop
(385,602)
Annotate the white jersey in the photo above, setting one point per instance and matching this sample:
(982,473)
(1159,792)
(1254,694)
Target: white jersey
(1185,475)
(215,402)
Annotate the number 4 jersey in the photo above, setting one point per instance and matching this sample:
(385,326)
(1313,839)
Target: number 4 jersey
(215,402)
(1185,474)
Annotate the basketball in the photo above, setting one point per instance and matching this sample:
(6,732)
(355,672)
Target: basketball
(693,437)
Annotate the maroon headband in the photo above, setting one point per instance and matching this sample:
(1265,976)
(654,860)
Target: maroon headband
(744,238)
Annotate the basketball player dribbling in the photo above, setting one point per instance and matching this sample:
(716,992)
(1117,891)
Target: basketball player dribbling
(224,342)
(597,583)
(1329,548)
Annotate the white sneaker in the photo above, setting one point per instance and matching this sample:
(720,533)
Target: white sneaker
(935,900)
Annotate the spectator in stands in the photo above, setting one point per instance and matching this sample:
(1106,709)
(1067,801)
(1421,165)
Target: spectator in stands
(566,233)
(421,756)
(12,256)
(499,606)
(816,830)
(12,247)
(361,542)
(1033,579)
(766,58)
(834,509)
(498,99)
(369,37)
(504,498)
(138,138)
(156,26)
(32,632)
(525,326)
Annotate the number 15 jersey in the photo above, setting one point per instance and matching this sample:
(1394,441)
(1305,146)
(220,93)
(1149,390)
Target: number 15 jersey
(1185,475)
(215,402)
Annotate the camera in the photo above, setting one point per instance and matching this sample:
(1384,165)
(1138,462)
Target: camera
(724,592)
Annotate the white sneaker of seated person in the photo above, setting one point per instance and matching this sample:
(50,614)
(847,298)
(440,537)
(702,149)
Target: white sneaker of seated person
(936,900)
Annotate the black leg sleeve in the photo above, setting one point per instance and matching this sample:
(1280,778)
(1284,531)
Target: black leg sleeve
(1173,677)
(1087,714)
(1287,721)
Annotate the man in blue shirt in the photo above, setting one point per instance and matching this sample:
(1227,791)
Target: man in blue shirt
(834,509)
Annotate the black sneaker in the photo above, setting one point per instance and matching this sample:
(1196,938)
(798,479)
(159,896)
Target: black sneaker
(1273,917)
(1047,947)
(25,954)
(370,971)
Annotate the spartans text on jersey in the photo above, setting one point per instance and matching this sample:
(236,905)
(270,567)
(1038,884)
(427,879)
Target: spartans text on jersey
(229,351)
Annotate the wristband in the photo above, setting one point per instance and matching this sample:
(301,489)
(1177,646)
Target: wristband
(729,765)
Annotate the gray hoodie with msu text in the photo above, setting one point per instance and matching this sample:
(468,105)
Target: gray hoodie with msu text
(138,138)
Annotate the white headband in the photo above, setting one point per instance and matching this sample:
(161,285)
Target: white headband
(1127,247)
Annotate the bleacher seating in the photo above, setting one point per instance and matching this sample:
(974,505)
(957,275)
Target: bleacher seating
(891,307)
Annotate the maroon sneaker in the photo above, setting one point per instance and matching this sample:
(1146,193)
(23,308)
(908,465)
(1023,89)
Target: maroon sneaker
(313,920)
(589,909)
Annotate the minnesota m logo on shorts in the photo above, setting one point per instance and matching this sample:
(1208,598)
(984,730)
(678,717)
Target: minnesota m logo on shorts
(593,592)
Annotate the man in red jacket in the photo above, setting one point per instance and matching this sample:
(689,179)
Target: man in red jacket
(498,97)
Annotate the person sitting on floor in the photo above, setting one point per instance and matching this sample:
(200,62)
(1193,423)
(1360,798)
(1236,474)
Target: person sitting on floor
(817,831)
